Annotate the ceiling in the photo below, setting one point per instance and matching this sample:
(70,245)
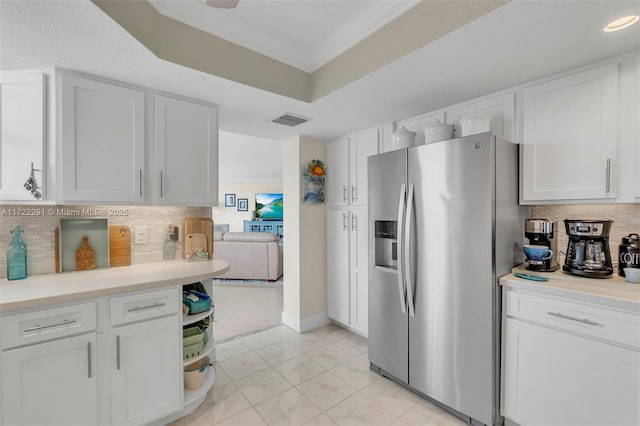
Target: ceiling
(305,34)
(518,42)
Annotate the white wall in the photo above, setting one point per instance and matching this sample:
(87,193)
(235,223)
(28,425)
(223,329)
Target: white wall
(305,263)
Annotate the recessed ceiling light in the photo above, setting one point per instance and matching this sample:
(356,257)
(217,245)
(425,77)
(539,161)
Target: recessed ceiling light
(621,23)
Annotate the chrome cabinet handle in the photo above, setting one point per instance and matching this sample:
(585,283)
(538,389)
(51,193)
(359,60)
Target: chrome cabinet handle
(407,251)
(118,352)
(608,175)
(142,308)
(42,327)
(401,290)
(354,222)
(140,185)
(89,357)
(582,320)
(354,195)
(161,184)
(344,193)
(344,221)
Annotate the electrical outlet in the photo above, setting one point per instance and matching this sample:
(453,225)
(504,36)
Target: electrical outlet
(141,235)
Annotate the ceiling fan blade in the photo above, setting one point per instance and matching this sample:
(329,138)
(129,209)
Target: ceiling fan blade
(222,4)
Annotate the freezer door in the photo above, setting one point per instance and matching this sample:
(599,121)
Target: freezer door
(451,335)
(388,321)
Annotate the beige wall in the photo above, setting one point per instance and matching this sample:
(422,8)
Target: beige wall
(242,189)
(305,289)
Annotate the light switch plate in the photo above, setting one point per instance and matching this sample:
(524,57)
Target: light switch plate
(141,234)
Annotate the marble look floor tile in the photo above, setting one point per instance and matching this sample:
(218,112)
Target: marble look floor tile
(246,418)
(222,378)
(399,422)
(321,420)
(427,413)
(262,385)
(243,365)
(358,410)
(231,349)
(222,403)
(290,408)
(331,332)
(299,369)
(307,342)
(354,345)
(265,338)
(391,396)
(277,353)
(329,356)
(365,357)
(326,390)
(285,332)
(189,420)
(356,373)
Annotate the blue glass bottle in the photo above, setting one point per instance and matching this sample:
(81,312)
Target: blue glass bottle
(17,256)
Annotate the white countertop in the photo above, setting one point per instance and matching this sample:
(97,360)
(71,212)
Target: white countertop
(45,289)
(614,291)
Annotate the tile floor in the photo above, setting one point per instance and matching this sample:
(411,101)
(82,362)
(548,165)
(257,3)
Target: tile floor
(322,377)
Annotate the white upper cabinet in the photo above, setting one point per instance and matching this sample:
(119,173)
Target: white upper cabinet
(22,134)
(102,141)
(361,146)
(570,136)
(637,132)
(347,167)
(186,152)
(500,109)
(338,172)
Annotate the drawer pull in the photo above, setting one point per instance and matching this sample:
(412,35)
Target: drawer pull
(561,315)
(42,327)
(142,308)
(118,352)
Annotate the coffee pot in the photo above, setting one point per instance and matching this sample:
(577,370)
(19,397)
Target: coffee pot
(542,232)
(588,248)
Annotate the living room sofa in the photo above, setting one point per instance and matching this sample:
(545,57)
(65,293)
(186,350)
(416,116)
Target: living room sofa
(251,255)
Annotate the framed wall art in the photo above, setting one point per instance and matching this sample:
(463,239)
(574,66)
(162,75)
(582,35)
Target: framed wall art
(229,200)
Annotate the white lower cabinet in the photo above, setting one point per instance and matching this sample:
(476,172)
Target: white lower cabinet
(53,383)
(567,363)
(146,385)
(108,361)
(347,275)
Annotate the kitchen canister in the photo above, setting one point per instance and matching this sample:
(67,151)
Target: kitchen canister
(437,131)
(404,138)
(629,253)
(474,123)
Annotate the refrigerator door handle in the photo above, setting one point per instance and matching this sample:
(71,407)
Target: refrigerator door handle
(401,286)
(407,251)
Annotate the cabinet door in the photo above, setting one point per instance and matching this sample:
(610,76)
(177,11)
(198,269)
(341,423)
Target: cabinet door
(22,140)
(338,301)
(637,144)
(361,146)
(359,246)
(559,378)
(569,137)
(186,156)
(501,109)
(146,359)
(51,383)
(103,142)
(338,172)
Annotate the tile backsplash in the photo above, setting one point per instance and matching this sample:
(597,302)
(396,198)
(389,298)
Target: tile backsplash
(626,220)
(39,229)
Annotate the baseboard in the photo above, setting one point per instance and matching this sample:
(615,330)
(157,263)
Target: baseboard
(306,324)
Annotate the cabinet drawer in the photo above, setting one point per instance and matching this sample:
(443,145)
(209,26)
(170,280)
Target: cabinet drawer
(598,322)
(144,306)
(33,327)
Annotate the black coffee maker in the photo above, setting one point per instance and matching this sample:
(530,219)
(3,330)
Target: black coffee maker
(588,249)
(542,232)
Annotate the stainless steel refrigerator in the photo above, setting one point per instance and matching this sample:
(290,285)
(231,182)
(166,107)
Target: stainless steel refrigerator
(444,225)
